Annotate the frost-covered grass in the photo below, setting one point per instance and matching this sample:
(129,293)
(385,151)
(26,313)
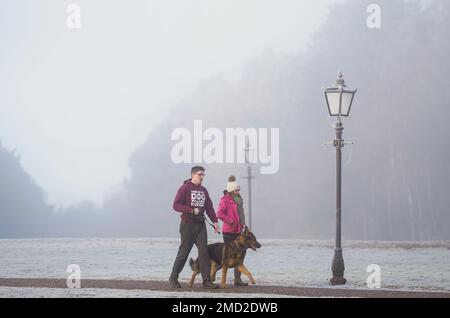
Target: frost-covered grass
(404,265)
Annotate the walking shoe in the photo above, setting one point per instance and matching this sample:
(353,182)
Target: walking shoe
(207,284)
(240,283)
(174,283)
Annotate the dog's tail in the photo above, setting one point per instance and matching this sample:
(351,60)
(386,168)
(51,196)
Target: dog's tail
(193,264)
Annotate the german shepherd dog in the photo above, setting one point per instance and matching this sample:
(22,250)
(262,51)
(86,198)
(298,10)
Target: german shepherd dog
(228,255)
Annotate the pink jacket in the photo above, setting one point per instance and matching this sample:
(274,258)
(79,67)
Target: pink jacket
(229,215)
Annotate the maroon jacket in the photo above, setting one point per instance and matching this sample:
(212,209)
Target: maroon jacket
(190,196)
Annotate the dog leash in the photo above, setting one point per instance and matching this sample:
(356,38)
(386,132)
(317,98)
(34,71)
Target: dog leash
(218,232)
(212,225)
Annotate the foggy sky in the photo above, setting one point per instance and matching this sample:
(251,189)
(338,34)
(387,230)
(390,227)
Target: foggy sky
(77,103)
(395,175)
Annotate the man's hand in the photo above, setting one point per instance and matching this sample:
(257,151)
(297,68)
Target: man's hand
(196,211)
(216,227)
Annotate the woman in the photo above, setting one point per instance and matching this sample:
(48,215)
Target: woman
(231,213)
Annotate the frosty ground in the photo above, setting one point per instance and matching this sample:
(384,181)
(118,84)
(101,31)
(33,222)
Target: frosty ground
(417,266)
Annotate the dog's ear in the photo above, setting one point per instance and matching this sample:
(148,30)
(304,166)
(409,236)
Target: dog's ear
(246,230)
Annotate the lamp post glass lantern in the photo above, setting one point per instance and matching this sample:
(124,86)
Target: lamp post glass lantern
(339,102)
(339,98)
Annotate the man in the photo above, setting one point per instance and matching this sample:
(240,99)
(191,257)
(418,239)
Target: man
(192,201)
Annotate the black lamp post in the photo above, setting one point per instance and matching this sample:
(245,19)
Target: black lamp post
(339,102)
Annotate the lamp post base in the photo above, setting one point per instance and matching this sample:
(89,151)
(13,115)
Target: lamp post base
(338,268)
(338,281)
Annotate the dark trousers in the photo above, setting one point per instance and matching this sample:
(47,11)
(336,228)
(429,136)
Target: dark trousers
(193,233)
(230,237)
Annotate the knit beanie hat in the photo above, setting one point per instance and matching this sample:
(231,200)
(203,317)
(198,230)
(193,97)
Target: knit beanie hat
(232,185)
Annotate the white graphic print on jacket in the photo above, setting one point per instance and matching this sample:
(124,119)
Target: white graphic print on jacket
(198,198)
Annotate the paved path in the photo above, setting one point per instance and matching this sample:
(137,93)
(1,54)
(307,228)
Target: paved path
(254,289)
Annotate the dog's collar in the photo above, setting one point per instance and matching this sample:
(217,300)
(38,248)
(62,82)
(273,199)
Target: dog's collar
(240,247)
